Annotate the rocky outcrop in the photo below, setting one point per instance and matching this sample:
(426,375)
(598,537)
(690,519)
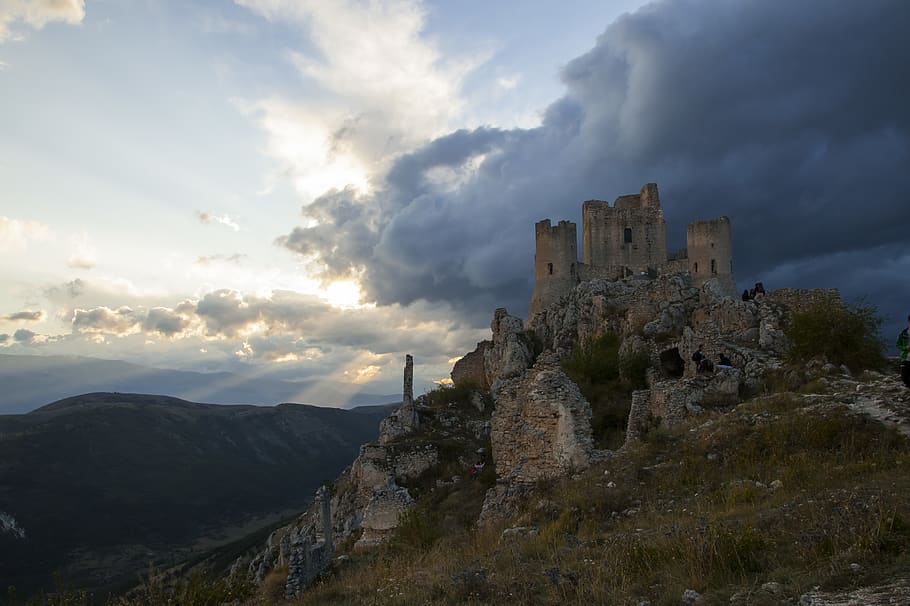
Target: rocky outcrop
(471,368)
(541,427)
(511,352)
(382,513)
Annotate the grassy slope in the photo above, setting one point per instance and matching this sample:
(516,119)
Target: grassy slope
(696,508)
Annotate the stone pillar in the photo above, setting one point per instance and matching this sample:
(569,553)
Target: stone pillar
(638,415)
(407,398)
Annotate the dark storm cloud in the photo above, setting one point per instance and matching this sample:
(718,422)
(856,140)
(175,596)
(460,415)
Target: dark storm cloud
(790,118)
(26,316)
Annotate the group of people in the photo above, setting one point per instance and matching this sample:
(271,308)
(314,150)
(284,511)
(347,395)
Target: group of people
(703,363)
(758,289)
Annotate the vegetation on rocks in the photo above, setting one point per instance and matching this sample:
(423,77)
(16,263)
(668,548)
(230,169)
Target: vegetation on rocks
(841,334)
(607,380)
(756,506)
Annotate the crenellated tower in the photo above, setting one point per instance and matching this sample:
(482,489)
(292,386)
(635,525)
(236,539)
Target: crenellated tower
(555,263)
(709,245)
(627,238)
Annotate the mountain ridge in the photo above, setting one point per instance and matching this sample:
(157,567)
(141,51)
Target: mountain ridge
(33,381)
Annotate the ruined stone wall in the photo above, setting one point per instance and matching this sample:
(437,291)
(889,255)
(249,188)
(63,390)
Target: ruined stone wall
(541,426)
(628,238)
(710,250)
(555,263)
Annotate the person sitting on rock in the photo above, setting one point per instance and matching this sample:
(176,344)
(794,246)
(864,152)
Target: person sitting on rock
(723,362)
(759,288)
(903,343)
(746,296)
(702,363)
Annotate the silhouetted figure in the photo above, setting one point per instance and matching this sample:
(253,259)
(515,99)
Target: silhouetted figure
(902,346)
(702,363)
(746,296)
(759,288)
(723,362)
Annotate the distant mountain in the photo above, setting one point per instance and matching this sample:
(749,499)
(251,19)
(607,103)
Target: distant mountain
(32,381)
(100,485)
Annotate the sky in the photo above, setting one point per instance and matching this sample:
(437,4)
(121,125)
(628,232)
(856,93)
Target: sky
(307,189)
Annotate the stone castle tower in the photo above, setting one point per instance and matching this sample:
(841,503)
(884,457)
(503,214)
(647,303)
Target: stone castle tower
(627,238)
(709,248)
(555,262)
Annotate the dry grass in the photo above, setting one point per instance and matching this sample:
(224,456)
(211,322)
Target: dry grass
(697,508)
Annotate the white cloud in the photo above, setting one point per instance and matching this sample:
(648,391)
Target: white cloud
(206,217)
(37,13)
(508,83)
(15,234)
(384,88)
(84,254)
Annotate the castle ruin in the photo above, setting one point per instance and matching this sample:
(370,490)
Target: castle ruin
(627,238)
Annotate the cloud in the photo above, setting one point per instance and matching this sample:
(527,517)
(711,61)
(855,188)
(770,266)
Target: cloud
(382,87)
(236,258)
(169,322)
(15,234)
(4,338)
(104,320)
(749,109)
(226,220)
(84,254)
(26,337)
(26,316)
(38,13)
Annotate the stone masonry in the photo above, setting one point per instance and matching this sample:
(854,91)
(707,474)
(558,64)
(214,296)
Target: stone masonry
(541,427)
(626,239)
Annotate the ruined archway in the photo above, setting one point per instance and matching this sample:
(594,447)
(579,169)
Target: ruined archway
(671,363)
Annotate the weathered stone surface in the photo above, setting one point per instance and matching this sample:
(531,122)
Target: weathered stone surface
(405,420)
(471,369)
(510,353)
(382,514)
(541,427)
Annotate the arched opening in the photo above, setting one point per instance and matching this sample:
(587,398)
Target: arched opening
(671,364)
(695,267)
(713,266)
(550,268)
(627,235)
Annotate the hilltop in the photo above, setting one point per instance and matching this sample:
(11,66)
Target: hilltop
(98,486)
(616,473)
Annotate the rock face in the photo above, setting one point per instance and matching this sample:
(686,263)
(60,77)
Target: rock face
(471,370)
(541,427)
(367,501)
(511,351)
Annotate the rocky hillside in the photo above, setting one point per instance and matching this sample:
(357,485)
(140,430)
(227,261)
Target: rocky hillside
(617,474)
(98,486)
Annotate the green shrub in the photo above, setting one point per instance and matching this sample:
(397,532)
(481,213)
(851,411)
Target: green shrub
(607,380)
(844,334)
(459,395)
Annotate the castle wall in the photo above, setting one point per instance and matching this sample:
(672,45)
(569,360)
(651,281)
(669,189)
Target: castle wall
(710,251)
(628,238)
(555,263)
